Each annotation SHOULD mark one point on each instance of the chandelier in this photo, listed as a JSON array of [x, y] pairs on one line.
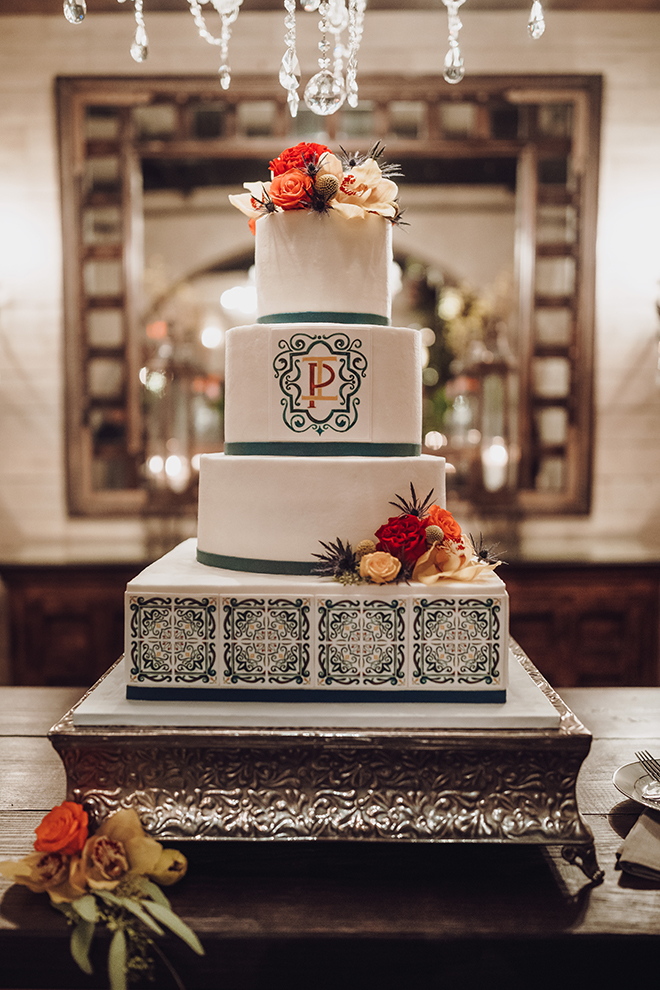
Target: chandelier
[[335, 82]]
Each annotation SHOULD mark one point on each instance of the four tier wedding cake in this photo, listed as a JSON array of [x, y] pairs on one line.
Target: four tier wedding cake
[[326, 567]]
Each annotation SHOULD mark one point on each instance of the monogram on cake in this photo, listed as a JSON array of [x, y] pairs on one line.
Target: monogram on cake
[[326, 566]]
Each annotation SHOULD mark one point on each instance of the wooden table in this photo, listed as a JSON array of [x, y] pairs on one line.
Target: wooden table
[[350, 914]]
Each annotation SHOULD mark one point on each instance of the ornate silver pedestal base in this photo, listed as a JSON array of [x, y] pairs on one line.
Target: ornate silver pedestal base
[[430, 785]]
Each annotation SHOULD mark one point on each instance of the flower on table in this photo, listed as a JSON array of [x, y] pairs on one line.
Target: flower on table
[[109, 877]]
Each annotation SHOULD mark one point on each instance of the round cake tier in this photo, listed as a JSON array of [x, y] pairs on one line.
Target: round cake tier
[[268, 514], [311, 265], [323, 388]]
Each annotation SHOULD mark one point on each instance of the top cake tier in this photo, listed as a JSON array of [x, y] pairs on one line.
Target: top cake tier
[[323, 268]]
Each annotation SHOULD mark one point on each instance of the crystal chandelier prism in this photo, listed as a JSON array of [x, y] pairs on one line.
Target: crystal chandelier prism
[[335, 82]]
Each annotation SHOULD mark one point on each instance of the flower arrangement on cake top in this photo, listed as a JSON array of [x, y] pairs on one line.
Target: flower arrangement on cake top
[[310, 177], [424, 543], [110, 878]]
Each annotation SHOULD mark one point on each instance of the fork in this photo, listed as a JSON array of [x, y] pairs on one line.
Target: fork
[[650, 764]]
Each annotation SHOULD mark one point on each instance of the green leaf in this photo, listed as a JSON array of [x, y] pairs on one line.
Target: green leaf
[[152, 890], [117, 957], [134, 907], [86, 907], [81, 940], [174, 922]]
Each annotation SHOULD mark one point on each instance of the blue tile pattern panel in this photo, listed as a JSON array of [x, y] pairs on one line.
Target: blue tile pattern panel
[[366, 642], [266, 641], [361, 642], [457, 641], [172, 639]]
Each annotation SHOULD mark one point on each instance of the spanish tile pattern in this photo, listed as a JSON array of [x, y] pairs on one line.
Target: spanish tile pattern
[[349, 640], [457, 640], [172, 639], [266, 641], [361, 642]]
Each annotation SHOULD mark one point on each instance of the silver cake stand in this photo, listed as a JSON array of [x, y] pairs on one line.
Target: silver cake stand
[[510, 785]]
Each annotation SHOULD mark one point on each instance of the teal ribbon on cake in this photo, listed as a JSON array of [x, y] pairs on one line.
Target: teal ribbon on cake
[[254, 566], [319, 448], [318, 317]]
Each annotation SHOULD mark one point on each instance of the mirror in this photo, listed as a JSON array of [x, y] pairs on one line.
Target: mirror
[[494, 267]]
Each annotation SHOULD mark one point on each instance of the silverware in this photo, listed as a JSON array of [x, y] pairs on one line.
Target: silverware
[[650, 764], [650, 790]]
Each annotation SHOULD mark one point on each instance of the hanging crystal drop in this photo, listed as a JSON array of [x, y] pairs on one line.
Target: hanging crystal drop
[[225, 76], [311, 5], [140, 46], [290, 70], [454, 70], [75, 10], [536, 25], [324, 93], [293, 100]]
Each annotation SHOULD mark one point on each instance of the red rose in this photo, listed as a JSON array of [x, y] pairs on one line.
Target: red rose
[[298, 157], [446, 522], [404, 537], [291, 190], [64, 829]]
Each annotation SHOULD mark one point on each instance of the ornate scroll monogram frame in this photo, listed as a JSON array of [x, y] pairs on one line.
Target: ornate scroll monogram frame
[[432, 785], [347, 377]]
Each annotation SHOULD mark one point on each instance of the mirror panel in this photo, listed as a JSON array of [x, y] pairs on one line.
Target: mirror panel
[[496, 271]]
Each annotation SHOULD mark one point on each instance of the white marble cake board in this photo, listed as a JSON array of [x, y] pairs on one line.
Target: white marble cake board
[[526, 707]]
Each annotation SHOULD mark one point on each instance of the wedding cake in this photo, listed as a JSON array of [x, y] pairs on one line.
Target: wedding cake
[[326, 567]]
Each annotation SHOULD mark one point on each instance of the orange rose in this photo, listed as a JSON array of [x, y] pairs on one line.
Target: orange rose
[[64, 829], [291, 190], [380, 567], [446, 522]]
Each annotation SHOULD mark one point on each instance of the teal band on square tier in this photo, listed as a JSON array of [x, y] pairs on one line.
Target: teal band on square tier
[[322, 695], [318, 448], [327, 317], [254, 566]]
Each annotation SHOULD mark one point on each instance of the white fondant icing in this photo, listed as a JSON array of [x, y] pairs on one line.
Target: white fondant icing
[[278, 508], [312, 262], [259, 395]]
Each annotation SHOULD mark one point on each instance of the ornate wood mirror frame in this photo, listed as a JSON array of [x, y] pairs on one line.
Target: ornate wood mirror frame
[[546, 127]]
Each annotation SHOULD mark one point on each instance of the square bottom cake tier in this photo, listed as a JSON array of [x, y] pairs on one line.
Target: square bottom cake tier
[[200, 633]]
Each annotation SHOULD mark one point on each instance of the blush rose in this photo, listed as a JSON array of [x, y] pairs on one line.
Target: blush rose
[[379, 567]]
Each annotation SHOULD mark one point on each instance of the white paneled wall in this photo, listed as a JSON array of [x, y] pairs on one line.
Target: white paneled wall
[[34, 50]]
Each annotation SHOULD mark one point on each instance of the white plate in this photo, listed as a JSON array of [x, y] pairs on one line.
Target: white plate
[[630, 780]]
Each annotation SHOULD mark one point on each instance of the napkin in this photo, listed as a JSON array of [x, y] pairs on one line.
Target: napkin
[[640, 852]]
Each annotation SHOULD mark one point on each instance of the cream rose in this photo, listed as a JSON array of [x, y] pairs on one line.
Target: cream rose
[[379, 567], [39, 871]]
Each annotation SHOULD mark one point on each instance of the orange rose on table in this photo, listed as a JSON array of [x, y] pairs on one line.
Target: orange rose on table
[[379, 567], [64, 829], [291, 190]]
